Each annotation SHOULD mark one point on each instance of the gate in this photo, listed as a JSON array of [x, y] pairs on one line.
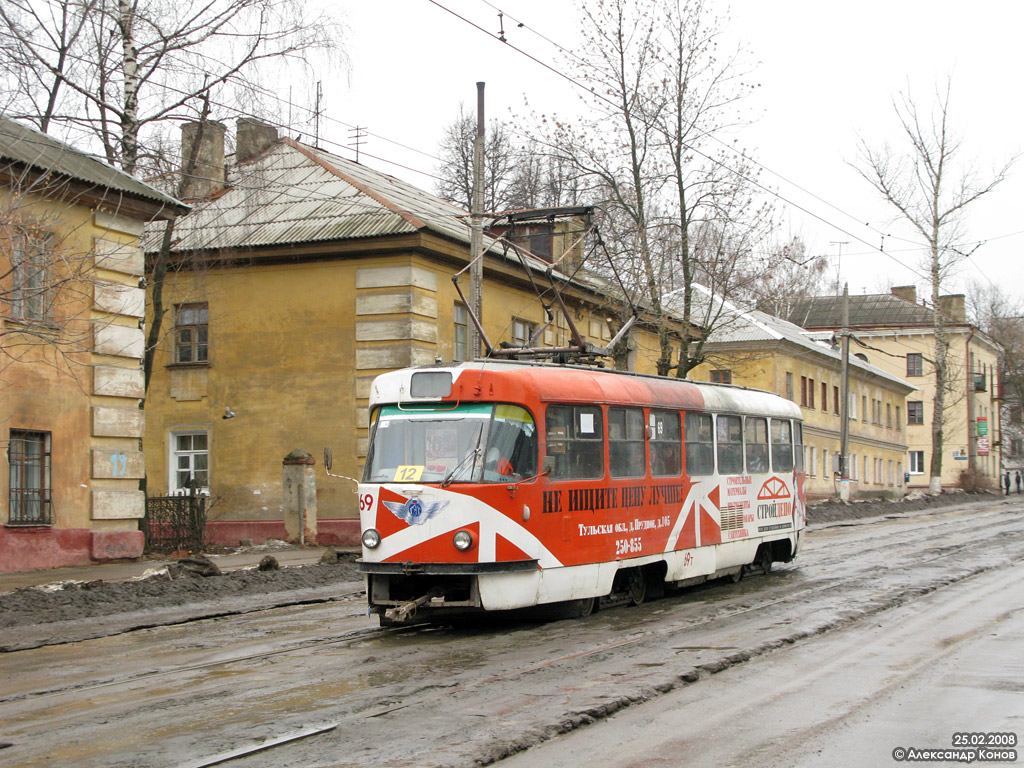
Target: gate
[[175, 523]]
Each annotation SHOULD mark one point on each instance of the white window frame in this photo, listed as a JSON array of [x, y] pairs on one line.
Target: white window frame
[[911, 462], [173, 488]]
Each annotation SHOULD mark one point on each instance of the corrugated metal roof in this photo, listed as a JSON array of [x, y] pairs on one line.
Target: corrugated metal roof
[[738, 325], [27, 146], [879, 309], [294, 194]]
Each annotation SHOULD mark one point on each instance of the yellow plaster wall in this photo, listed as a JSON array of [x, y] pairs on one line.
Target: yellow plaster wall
[[958, 424], [293, 349], [766, 367], [47, 371]]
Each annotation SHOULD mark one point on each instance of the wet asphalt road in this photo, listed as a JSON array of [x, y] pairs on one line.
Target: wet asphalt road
[[871, 637]]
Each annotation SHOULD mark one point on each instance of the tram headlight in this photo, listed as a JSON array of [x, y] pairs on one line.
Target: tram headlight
[[463, 540], [371, 538]]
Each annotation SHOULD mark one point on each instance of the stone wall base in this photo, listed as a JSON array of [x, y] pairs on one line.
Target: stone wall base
[[330, 533], [42, 548]]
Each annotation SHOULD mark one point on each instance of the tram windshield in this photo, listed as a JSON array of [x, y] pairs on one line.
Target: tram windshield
[[477, 443]]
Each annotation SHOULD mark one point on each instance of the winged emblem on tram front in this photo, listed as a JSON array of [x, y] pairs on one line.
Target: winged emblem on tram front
[[415, 512]]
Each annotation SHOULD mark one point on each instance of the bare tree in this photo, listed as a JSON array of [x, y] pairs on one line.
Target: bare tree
[[999, 315], [456, 169], [679, 206], [115, 70], [786, 273], [930, 186], [46, 277]]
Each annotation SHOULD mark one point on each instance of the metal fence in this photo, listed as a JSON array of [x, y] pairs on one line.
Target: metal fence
[[175, 523]]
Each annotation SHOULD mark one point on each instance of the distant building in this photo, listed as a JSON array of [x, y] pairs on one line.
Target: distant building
[[298, 277], [71, 342], [751, 348], [896, 334]]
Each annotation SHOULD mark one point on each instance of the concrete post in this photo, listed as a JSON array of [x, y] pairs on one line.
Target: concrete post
[[299, 502]]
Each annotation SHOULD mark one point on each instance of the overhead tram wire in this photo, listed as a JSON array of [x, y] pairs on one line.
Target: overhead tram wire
[[711, 136], [693, 149], [236, 112]]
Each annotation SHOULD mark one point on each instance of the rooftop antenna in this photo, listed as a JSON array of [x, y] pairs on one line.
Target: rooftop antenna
[[356, 136], [316, 116]]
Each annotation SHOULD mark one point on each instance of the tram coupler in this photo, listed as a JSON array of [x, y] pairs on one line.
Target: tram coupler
[[407, 611]]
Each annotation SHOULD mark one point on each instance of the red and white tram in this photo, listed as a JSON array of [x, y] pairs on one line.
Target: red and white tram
[[501, 485]]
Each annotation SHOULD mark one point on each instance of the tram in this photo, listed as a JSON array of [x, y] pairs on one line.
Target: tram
[[499, 485]]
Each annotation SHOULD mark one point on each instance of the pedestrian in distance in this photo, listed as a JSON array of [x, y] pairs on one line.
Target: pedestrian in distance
[[1006, 483], [1017, 480]]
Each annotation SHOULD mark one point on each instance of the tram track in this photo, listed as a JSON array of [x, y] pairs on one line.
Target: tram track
[[648, 683], [653, 649], [816, 587]]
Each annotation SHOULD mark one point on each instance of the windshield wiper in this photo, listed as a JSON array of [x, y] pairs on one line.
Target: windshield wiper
[[473, 453]]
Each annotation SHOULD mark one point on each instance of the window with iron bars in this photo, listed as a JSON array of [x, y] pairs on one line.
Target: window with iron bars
[[30, 493]]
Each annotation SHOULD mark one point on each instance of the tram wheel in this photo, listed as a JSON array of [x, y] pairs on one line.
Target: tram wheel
[[764, 561], [636, 586], [576, 609], [736, 577]]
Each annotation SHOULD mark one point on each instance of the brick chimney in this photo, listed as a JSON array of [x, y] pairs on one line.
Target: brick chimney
[[252, 137], [206, 141], [953, 307], [905, 292]]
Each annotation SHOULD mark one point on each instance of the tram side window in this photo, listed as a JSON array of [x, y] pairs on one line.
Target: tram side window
[[700, 446], [626, 442], [666, 445], [575, 438], [782, 445], [798, 446], [729, 433], [755, 433]]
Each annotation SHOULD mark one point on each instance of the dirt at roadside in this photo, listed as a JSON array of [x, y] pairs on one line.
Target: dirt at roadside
[[166, 596], [837, 511], [164, 589]]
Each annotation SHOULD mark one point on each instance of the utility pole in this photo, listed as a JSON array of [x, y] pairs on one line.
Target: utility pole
[[844, 408], [476, 240], [839, 258]]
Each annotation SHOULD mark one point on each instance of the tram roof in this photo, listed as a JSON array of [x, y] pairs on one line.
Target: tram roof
[[549, 382]]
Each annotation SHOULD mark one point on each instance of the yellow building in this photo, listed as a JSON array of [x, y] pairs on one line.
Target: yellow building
[[299, 278], [895, 333], [754, 349], [71, 342]]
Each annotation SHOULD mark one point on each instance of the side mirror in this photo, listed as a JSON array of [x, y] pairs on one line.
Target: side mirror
[[328, 458], [547, 465]]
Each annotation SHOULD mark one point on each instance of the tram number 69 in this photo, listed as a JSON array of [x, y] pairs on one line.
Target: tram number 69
[[628, 546], [365, 502]]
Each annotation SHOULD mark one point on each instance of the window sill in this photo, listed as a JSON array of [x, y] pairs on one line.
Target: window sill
[[45, 327], [199, 364], [23, 526]]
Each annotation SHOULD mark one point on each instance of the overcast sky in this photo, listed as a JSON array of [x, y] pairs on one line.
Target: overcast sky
[[828, 72]]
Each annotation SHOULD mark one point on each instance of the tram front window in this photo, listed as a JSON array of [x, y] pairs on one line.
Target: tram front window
[[480, 443]]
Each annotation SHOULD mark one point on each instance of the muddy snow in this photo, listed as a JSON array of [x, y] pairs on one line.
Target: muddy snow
[[72, 611]]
